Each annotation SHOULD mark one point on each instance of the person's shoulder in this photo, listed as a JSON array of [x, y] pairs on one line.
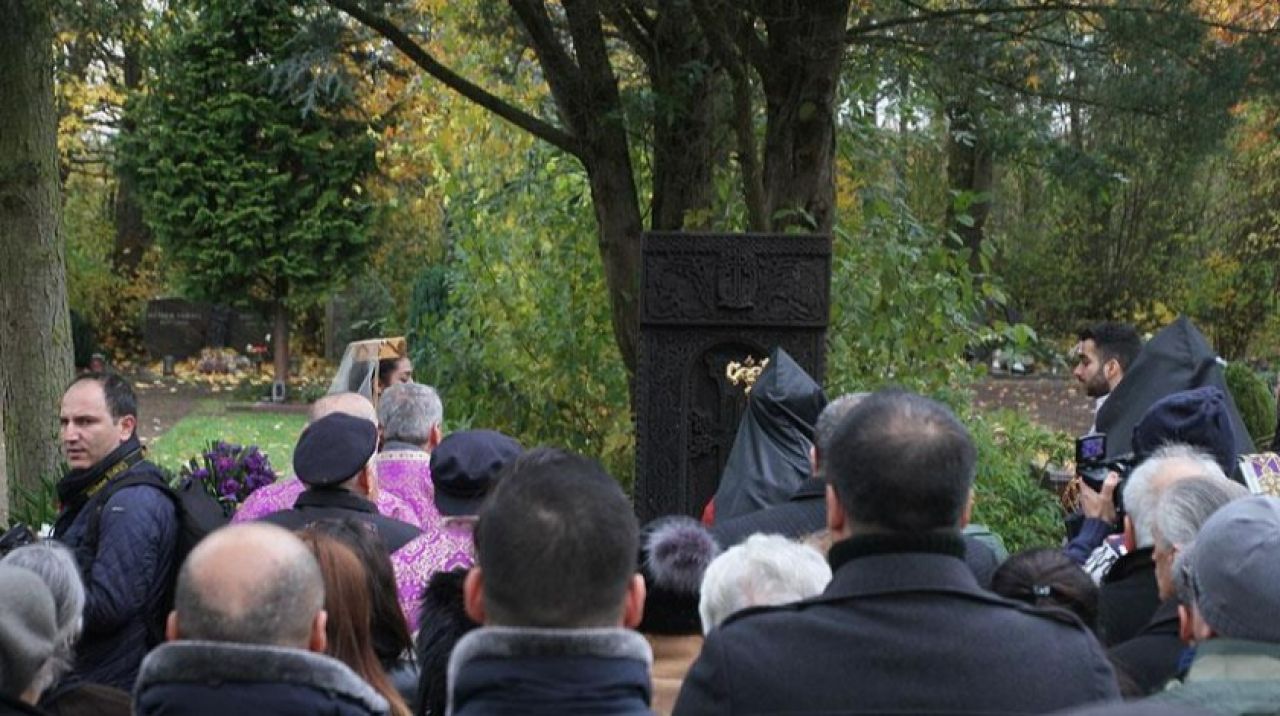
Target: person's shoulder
[[143, 486]]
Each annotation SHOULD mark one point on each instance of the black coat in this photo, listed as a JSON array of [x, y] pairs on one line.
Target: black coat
[[317, 504], [87, 700], [806, 513], [501, 671], [1151, 658], [202, 678], [14, 707], [1127, 597], [902, 628]]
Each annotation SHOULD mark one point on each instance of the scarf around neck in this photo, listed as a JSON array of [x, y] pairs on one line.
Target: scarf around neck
[[78, 486]]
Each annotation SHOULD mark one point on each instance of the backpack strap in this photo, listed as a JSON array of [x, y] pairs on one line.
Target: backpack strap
[[154, 623], [147, 478]]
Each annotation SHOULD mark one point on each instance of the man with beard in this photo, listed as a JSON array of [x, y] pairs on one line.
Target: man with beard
[[124, 537], [1103, 355]]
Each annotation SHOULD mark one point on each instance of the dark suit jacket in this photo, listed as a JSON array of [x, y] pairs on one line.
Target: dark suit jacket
[[1152, 657], [806, 513], [335, 503], [902, 628], [1127, 597]]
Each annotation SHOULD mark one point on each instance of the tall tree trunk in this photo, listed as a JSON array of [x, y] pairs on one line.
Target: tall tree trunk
[[132, 237], [800, 70], [280, 341], [35, 330], [970, 172], [4, 477], [684, 122]]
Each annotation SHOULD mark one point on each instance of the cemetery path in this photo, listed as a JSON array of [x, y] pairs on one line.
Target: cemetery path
[[1054, 402], [161, 405]]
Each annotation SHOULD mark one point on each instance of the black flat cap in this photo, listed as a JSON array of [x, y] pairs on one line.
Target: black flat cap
[[465, 467], [333, 449]]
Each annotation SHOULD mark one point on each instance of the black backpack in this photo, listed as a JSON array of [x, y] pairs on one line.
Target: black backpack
[[198, 514]]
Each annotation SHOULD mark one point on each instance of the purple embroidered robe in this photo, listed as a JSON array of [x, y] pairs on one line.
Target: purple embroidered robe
[[443, 546], [407, 475], [281, 494]]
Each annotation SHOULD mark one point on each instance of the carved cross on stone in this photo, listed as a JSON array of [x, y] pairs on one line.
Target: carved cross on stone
[[707, 300]]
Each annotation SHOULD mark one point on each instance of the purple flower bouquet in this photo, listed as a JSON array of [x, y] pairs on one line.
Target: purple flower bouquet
[[230, 472]]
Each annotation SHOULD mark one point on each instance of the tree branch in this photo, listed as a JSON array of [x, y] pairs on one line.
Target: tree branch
[[632, 31], [735, 64], [420, 57], [927, 15]]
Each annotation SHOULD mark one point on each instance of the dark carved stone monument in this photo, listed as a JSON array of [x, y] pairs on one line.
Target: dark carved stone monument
[[707, 300]]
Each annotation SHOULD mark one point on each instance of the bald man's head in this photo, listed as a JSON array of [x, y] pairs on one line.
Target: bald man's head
[[251, 583], [349, 403]]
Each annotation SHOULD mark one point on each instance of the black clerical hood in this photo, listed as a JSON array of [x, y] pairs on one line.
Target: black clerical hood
[[770, 455], [1175, 359]]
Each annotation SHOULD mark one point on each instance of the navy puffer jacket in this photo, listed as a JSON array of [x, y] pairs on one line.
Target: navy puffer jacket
[[126, 577]]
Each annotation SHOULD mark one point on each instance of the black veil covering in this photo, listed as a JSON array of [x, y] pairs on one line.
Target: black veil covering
[[1175, 359], [770, 455]]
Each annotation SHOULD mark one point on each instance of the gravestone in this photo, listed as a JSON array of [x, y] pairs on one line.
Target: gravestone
[[175, 327], [707, 300], [247, 328]]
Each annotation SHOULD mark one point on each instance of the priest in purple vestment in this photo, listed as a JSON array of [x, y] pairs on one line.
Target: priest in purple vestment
[[464, 468]]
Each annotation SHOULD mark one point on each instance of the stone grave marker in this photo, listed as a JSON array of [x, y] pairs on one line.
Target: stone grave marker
[[175, 327], [707, 300]]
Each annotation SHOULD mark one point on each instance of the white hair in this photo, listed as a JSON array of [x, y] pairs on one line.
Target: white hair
[[408, 411], [54, 564], [1141, 493], [764, 570], [1186, 505]]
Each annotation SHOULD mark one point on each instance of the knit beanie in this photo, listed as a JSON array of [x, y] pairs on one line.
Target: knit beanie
[[28, 628], [674, 554], [1199, 418]]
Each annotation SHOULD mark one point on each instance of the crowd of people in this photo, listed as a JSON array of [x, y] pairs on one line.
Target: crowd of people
[[403, 571]]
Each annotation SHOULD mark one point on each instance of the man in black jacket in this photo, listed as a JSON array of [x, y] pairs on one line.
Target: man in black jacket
[[805, 512], [557, 591], [332, 458], [247, 635], [903, 627]]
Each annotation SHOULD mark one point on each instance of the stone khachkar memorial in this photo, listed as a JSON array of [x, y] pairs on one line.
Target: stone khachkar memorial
[[707, 300]]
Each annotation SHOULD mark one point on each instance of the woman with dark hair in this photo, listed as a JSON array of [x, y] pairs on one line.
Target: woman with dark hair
[[1048, 578], [444, 623], [394, 370], [391, 639], [348, 602]]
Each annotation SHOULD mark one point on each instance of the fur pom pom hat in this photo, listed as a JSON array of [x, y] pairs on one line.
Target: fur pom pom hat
[[674, 554]]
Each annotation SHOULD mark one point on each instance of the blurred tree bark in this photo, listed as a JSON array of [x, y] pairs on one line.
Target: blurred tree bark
[[35, 330]]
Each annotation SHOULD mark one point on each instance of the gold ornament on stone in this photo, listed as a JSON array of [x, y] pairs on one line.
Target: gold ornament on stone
[[745, 373]]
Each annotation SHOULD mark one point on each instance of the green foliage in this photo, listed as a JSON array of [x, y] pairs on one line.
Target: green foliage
[[515, 329], [110, 305], [1008, 497], [905, 305], [1255, 401], [34, 505], [255, 200]]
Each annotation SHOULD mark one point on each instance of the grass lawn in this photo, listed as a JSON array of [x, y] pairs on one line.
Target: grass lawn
[[273, 433]]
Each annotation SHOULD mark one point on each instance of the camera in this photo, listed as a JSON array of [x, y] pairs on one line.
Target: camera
[[17, 536], [1092, 464]]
